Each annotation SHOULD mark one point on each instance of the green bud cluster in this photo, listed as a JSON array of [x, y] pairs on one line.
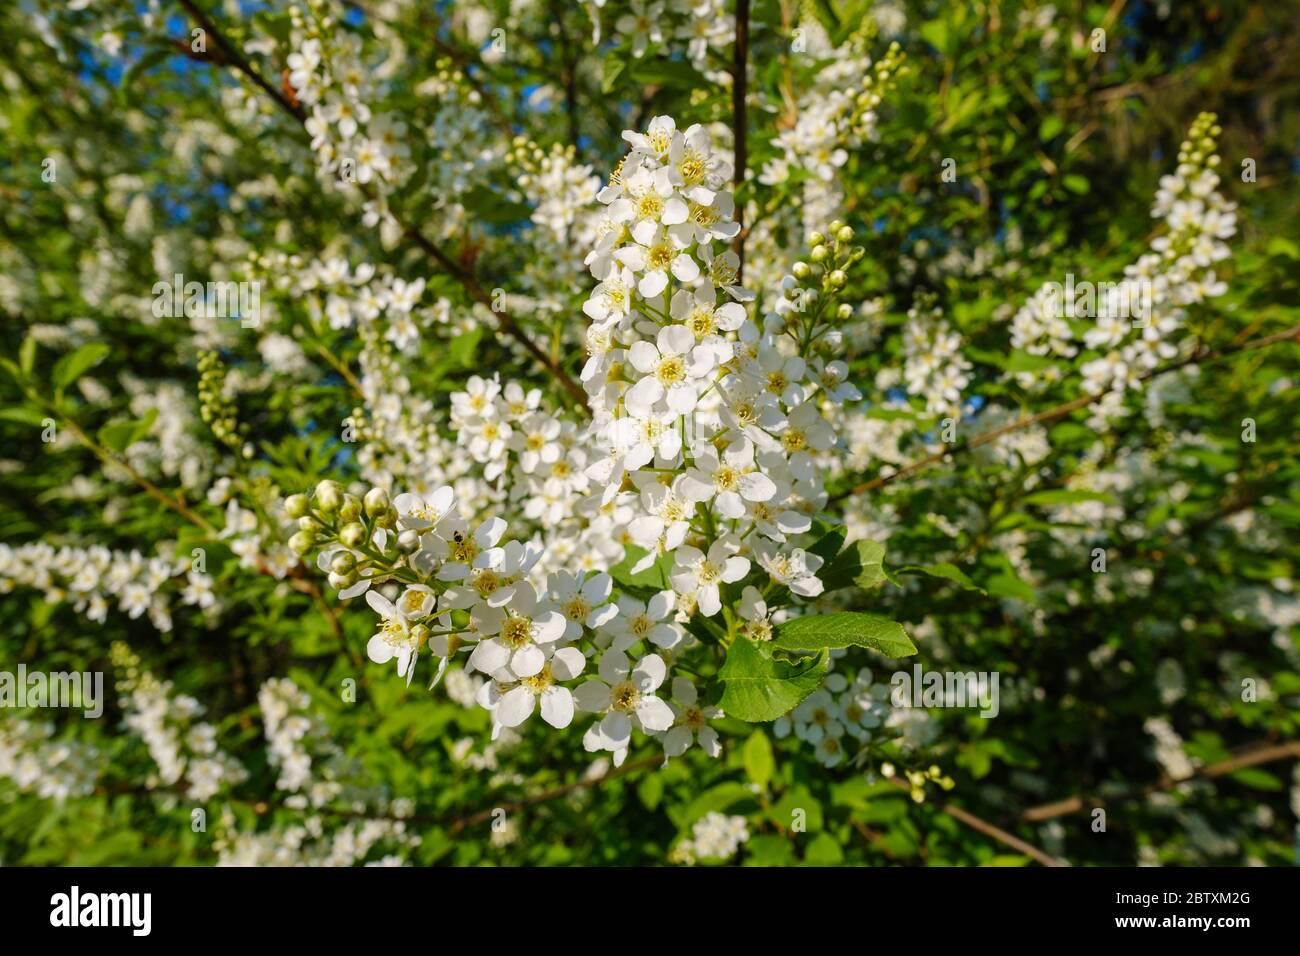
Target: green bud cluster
[[876, 85], [1202, 140], [217, 411]]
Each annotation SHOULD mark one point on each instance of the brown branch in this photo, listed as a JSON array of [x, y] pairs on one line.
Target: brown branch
[[989, 830], [1002, 836], [1250, 757], [505, 322], [1060, 411], [239, 62], [552, 793]]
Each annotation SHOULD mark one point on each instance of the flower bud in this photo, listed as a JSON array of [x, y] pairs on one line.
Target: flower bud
[[800, 270], [819, 253], [302, 541], [844, 234], [835, 226], [296, 506], [340, 581], [343, 562], [837, 279], [376, 502], [844, 312], [408, 541], [353, 535], [816, 239], [350, 510], [329, 496], [308, 523]]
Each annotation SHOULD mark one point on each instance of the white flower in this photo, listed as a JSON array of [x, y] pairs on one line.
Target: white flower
[[625, 695], [670, 369], [512, 634], [648, 620], [581, 598], [512, 700], [393, 639], [729, 480], [690, 723], [699, 575]]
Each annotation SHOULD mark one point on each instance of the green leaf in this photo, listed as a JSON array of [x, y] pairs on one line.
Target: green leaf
[[1050, 128], [119, 436], [24, 414], [1281, 246], [651, 790], [758, 688], [464, 347], [843, 629], [862, 563], [612, 69], [935, 33], [27, 355], [1257, 779], [1022, 361], [945, 570], [1076, 183], [824, 851], [768, 849], [75, 364], [759, 762], [1064, 496], [1007, 585], [653, 578]]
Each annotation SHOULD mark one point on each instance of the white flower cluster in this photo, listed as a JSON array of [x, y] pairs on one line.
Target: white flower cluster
[[280, 699], [837, 113], [1138, 320], [312, 843], [96, 578], [332, 82], [36, 762], [707, 449], [705, 25], [714, 836], [254, 535], [857, 708], [934, 368], [184, 747]]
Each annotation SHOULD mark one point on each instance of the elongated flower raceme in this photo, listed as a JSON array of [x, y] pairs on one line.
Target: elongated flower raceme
[[705, 451]]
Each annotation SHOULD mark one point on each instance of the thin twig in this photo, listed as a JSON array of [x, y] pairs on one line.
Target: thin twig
[[1060, 411], [505, 322], [1250, 757], [989, 830]]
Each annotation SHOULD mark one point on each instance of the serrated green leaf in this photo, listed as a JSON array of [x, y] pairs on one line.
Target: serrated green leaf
[[844, 629], [861, 564], [758, 688]]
